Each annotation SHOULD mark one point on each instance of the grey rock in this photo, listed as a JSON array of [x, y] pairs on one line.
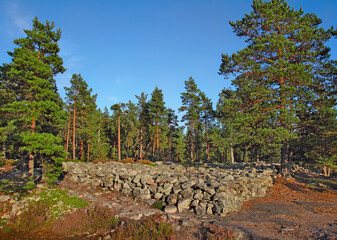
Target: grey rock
[[188, 184], [158, 195], [210, 190], [184, 204], [194, 203], [170, 209], [172, 199], [198, 195], [199, 210]]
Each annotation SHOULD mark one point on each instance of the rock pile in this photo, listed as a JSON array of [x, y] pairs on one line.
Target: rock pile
[[203, 190]]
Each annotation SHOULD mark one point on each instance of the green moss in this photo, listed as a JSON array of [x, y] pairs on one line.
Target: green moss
[[159, 205]]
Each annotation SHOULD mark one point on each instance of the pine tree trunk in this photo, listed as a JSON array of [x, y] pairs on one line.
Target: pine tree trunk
[[81, 150], [127, 150], [88, 153], [114, 153], [119, 138], [68, 134], [141, 144], [206, 142], [157, 140], [192, 157], [325, 172], [232, 154], [284, 165], [170, 149], [74, 130], [3, 150], [154, 145], [31, 156], [245, 159]]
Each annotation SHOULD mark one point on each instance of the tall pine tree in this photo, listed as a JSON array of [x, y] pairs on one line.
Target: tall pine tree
[[286, 53], [37, 110]]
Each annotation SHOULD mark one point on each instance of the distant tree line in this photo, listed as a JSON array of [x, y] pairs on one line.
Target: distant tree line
[[282, 107]]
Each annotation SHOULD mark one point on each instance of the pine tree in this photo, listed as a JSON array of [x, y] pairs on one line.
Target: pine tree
[[286, 51], [207, 119], [191, 105], [143, 116], [82, 104], [119, 112], [172, 134], [157, 111], [37, 108]]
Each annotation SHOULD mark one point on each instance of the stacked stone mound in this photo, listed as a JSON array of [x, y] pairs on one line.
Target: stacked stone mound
[[204, 190]]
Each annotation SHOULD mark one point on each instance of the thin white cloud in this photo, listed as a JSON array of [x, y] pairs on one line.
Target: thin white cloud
[[114, 99], [18, 18]]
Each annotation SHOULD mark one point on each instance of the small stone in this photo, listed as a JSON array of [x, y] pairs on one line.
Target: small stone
[[184, 204], [151, 201], [188, 184], [4, 198], [194, 203], [170, 209], [172, 199], [158, 195], [107, 237], [198, 195]]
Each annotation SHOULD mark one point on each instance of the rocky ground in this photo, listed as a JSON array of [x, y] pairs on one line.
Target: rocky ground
[[291, 209]]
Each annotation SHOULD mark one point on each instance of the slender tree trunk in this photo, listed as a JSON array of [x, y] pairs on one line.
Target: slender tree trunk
[[74, 130], [325, 172], [245, 155], [68, 133], [206, 142], [141, 144], [157, 140], [170, 148], [192, 147], [127, 150], [329, 172], [81, 149], [3, 150], [119, 138], [88, 153], [114, 153], [232, 153], [31, 156], [284, 167], [154, 145]]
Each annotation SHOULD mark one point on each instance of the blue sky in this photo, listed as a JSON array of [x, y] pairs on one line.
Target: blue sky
[[122, 48]]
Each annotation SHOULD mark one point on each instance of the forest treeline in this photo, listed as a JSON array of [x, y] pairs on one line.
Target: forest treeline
[[281, 107]]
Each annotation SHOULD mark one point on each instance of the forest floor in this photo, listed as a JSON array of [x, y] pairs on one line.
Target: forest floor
[[303, 207]]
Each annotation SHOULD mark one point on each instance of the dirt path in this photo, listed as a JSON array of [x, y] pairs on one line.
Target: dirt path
[[290, 210]]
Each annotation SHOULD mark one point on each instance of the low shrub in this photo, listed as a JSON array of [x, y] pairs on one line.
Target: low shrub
[[150, 228], [7, 162], [85, 220], [144, 161], [217, 232], [29, 186], [34, 217], [128, 160]]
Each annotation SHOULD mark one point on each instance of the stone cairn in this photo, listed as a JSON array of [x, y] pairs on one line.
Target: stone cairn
[[203, 190]]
